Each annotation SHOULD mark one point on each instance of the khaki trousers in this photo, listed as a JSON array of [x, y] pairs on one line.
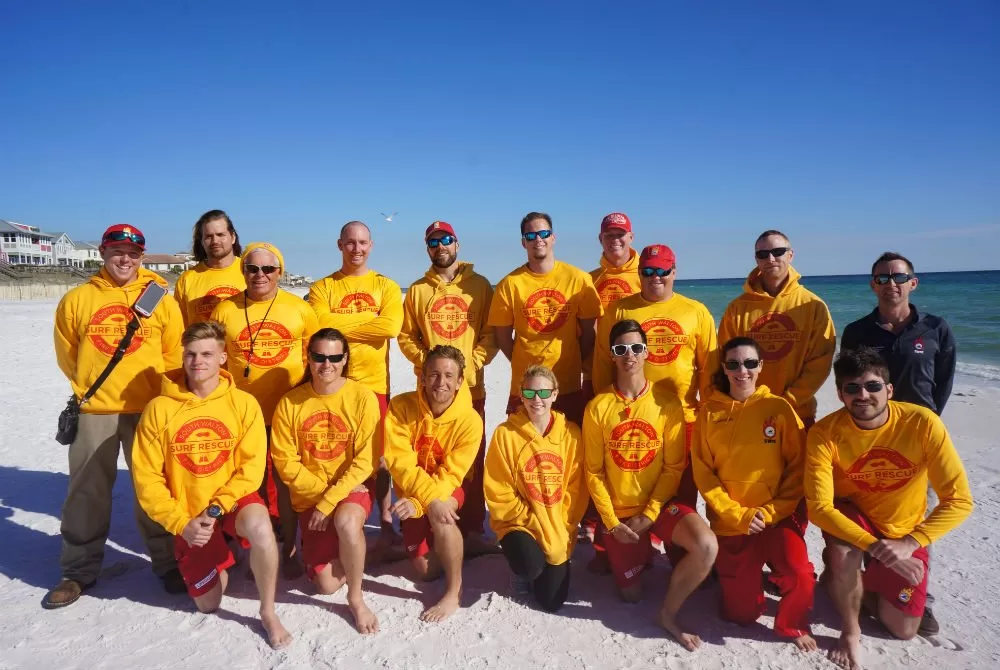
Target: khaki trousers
[[86, 514]]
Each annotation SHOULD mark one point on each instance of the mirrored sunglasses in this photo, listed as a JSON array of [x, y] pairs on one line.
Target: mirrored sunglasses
[[446, 240], [529, 394], [530, 237], [659, 272], [122, 236]]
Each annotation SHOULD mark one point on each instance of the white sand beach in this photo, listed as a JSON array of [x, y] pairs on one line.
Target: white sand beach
[[127, 621]]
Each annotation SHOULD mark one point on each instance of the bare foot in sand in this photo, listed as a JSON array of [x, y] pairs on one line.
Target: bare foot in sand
[[806, 643], [277, 636], [364, 619], [847, 653], [476, 545], [689, 641], [445, 608]]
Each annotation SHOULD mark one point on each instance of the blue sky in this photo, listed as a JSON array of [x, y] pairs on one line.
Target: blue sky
[[854, 128]]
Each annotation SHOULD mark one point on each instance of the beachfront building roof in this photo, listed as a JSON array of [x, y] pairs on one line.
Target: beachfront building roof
[[165, 262], [26, 245]]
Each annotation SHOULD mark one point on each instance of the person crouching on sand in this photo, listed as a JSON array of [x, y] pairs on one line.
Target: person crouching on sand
[[633, 434], [200, 453], [322, 445], [536, 491], [747, 455], [432, 436]]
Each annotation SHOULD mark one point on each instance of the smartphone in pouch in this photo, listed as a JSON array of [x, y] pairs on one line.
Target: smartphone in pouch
[[150, 298]]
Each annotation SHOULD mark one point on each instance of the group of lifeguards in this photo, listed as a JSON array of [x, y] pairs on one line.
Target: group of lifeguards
[[261, 411]]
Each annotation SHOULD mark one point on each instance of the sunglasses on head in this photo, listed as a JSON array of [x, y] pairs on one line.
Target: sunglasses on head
[[317, 357], [446, 240], [529, 394], [852, 388], [122, 236], [748, 363], [896, 277], [620, 350], [530, 237], [252, 269], [777, 252], [659, 272]]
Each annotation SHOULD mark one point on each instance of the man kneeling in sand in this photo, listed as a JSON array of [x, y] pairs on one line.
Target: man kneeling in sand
[[878, 455], [199, 458], [432, 437]]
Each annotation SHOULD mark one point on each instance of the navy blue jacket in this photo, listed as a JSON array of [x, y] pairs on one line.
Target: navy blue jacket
[[921, 358]]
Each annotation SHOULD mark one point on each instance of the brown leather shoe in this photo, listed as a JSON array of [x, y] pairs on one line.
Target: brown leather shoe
[[66, 593]]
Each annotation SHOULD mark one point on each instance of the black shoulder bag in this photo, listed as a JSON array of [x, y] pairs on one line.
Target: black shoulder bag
[[69, 418]]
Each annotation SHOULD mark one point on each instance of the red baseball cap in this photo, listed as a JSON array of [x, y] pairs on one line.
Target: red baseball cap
[[657, 256], [616, 220], [439, 226], [123, 233]]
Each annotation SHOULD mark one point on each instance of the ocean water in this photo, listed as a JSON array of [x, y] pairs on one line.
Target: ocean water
[[969, 301]]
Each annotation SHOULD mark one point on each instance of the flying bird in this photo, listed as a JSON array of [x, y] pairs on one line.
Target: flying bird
[[388, 217]]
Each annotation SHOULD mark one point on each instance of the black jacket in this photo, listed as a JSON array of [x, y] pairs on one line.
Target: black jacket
[[921, 359]]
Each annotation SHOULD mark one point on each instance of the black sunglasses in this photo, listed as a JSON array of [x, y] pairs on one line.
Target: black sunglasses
[[530, 237], [897, 277], [620, 350], [446, 240], [659, 272], [853, 388], [317, 357], [529, 394], [748, 363], [122, 236], [777, 252], [252, 269]]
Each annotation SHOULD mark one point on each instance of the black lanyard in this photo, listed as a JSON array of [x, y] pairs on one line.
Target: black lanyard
[[253, 336]]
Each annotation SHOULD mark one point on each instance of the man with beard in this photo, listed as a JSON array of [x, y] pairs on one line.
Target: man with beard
[[449, 305], [215, 246], [867, 469]]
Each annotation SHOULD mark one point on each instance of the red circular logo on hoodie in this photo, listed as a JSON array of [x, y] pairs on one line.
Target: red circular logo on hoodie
[[449, 316], [542, 475], [429, 453], [207, 302], [325, 436], [633, 445], [108, 326], [776, 333], [202, 446], [880, 470], [272, 343], [546, 310], [613, 288], [356, 303], [664, 340]]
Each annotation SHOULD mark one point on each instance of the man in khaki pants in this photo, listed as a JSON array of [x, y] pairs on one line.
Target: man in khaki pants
[[90, 322]]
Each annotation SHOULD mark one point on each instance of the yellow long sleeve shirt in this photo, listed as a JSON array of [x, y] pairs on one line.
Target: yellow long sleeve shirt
[[680, 336], [885, 472], [91, 320], [611, 284], [201, 288], [536, 484], [190, 452], [275, 350], [323, 445], [429, 457], [544, 310], [748, 457], [635, 452], [796, 335], [368, 310], [439, 312]]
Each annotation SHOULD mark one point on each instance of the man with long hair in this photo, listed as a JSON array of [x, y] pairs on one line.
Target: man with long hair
[[216, 246]]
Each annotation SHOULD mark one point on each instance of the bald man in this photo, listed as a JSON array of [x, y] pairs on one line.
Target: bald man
[[367, 308]]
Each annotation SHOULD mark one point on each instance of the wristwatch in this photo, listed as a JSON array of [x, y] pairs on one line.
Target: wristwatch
[[214, 511]]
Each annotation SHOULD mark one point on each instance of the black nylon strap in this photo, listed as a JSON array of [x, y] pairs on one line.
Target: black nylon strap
[[126, 340]]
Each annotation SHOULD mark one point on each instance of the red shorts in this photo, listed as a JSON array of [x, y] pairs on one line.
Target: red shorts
[[320, 547], [629, 560], [200, 566], [417, 535], [907, 598]]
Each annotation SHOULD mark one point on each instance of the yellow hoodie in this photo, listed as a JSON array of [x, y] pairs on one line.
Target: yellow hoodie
[[368, 310], [680, 335], [280, 344], [190, 452], [429, 457], [611, 284], [885, 472], [201, 288], [536, 483], [91, 321], [748, 456], [438, 312], [635, 452], [323, 445], [795, 332]]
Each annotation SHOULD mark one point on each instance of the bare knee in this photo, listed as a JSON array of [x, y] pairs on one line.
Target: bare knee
[[348, 523], [210, 601], [901, 626], [844, 561], [326, 584]]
